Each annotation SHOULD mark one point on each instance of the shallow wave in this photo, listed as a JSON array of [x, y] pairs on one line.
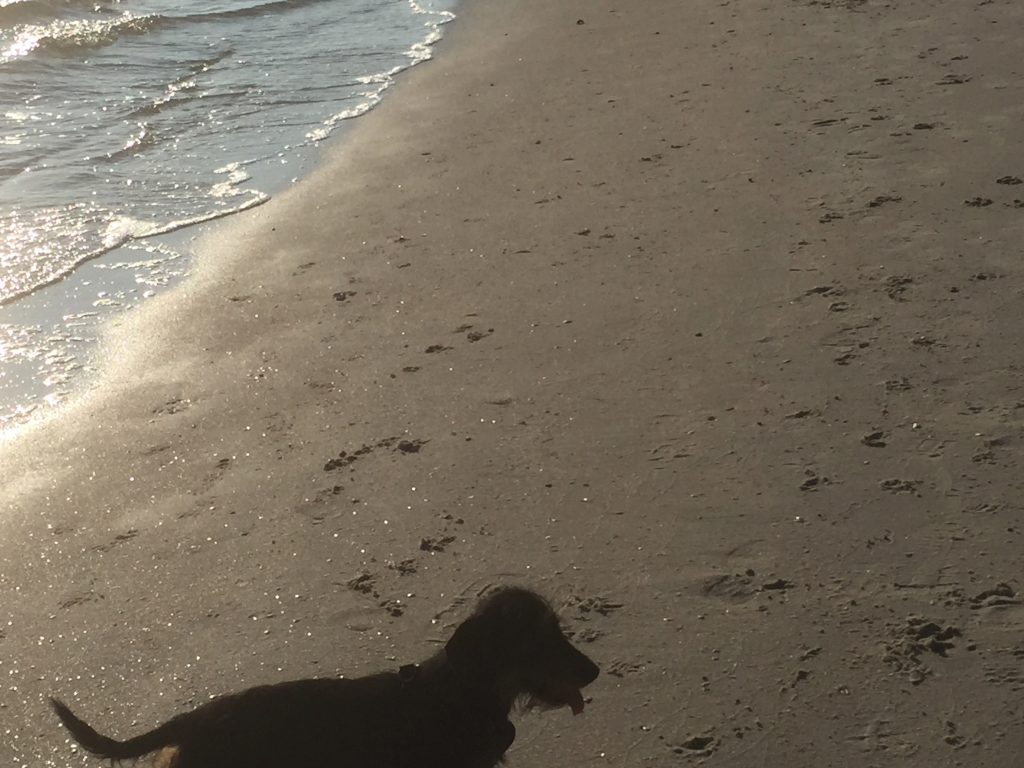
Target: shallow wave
[[66, 36], [34, 11], [260, 9], [183, 89], [115, 231], [29, 238], [143, 139]]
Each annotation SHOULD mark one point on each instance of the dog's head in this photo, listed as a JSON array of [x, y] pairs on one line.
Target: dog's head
[[515, 638]]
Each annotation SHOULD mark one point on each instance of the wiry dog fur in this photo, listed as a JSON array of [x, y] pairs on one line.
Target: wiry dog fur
[[451, 711]]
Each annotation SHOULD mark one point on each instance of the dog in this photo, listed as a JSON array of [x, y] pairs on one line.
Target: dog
[[450, 711]]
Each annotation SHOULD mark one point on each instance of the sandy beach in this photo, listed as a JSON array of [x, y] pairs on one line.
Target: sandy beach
[[704, 319]]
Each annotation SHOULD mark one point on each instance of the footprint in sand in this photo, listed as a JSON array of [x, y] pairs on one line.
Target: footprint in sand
[[1006, 674], [914, 641], [595, 605], [313, 508], [881, 200], [128, 535], [898, 384], [813, 481], [895, 286], [345, 458], [435, 543], [472, 335], [587, 635], [896, 485], [696, 745], [1001, 594], [734, 586], [623, 668], [405, 567], [951, 736], [364, 583], [174, 405], [875, 439], [79, 599]]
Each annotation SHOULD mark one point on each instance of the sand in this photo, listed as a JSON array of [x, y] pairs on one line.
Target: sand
[[703, 318]]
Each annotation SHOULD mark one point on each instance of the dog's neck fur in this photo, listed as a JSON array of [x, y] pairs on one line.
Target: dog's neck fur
[[479, 688], [500, 691]]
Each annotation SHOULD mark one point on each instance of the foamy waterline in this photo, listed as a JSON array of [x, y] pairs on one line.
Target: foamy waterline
[[417, 54]]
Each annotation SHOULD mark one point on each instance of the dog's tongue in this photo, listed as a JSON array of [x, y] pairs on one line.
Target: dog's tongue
[[575, 700]]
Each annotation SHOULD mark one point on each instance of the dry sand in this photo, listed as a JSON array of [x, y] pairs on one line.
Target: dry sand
[[703, 317]]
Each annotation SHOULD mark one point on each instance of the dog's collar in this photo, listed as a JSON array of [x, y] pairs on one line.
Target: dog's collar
[[408, 673]]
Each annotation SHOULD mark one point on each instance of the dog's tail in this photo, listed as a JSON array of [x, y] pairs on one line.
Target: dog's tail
[[106, 747]]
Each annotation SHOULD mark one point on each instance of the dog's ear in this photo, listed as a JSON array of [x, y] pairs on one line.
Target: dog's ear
[[470, 643]]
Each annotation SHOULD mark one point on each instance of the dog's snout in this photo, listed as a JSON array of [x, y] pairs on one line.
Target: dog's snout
[[588, 670], [581, 668]]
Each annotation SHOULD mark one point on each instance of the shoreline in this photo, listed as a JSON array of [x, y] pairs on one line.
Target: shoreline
[[657, 317], [61, 322]]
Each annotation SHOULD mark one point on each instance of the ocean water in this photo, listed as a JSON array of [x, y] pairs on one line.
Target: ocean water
[[124, 120]]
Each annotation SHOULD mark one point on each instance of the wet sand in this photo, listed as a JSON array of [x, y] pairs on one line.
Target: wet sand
[[704, 320]]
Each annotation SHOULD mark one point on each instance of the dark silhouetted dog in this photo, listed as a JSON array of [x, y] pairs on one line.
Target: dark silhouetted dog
[[451, 711]]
